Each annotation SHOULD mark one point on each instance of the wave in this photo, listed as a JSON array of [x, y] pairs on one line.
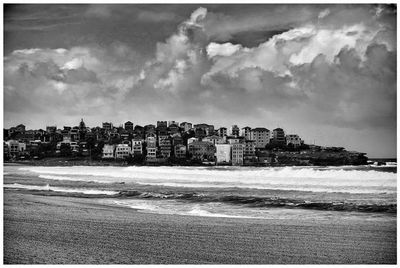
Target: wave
[[211, 198], [171, 207], [66, 178], [61, 189], [224, 210], [260, 202], [286, 178]]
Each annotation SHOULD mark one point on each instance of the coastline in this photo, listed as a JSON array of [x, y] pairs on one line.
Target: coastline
[[59, 161], [68, 230]]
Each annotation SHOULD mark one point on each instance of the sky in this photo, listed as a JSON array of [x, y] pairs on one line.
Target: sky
[[324, 72]]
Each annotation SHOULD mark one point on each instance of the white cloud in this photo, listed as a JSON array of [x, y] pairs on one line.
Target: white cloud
[[73, 64], [226, 49], [324, 13]]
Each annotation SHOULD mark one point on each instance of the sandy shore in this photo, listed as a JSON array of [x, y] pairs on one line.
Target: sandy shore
[[66, 230]]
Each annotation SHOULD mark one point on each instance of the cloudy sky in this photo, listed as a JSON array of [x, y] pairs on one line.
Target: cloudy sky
[[325, 72]]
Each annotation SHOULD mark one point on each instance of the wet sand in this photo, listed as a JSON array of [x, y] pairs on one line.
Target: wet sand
[[68, 230]]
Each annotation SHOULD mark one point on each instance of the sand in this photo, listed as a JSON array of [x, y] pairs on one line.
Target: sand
[[68, 230]]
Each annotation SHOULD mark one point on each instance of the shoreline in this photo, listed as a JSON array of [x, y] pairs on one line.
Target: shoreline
[[80, 162], [68, 230]]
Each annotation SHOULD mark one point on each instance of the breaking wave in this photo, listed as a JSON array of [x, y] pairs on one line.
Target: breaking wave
[[60, 189], [286, 178]]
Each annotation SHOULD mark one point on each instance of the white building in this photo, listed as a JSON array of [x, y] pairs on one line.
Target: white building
[[151, 152], [16, 147], [122, 151], [223, 153], [108, 151]]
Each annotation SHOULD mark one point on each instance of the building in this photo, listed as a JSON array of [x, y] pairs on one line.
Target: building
[[74, 134], [164, 143], [249, 148], [177, 139], [186, 126], [124, 134], [6, 150], [202, 150], [207, 129], [162, 124], [234, 139], [137, 146], [223, 153], [107, 126], [128, 126], [151, 142], [173, 129], [249, 152], [214, 139], [172, 122], [68, 142], [278, 137], [138, 130], [15, 147], [222, 132], [122, 151], [246, 133], [234, 131], [190, 140], [51, 129], [261, 136], [149, 129], [180, 151], [108, 151], [294, 140], [237, 154], [200, 133]]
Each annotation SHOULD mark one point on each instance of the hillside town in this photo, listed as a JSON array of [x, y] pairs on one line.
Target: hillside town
[[170, 142]]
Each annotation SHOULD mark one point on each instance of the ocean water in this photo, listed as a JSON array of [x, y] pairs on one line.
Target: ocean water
[[236, 192]]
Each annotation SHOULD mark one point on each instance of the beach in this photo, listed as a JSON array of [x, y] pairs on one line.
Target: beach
[[68, 230]]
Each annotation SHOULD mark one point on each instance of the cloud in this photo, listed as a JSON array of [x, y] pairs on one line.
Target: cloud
[[226, 49], [81, 81]]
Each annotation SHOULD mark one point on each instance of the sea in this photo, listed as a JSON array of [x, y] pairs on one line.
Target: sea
[[314, 193]]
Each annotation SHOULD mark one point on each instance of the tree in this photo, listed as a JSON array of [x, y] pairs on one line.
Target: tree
[[65, 149]]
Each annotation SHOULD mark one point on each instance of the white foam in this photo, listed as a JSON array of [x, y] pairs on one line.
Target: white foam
[[60, 189], [177, 208], [66, 178], [286, 178], [197, 211]]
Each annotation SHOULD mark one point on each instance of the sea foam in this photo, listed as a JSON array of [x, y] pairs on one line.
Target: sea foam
[[283, 178], [60, 189]]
